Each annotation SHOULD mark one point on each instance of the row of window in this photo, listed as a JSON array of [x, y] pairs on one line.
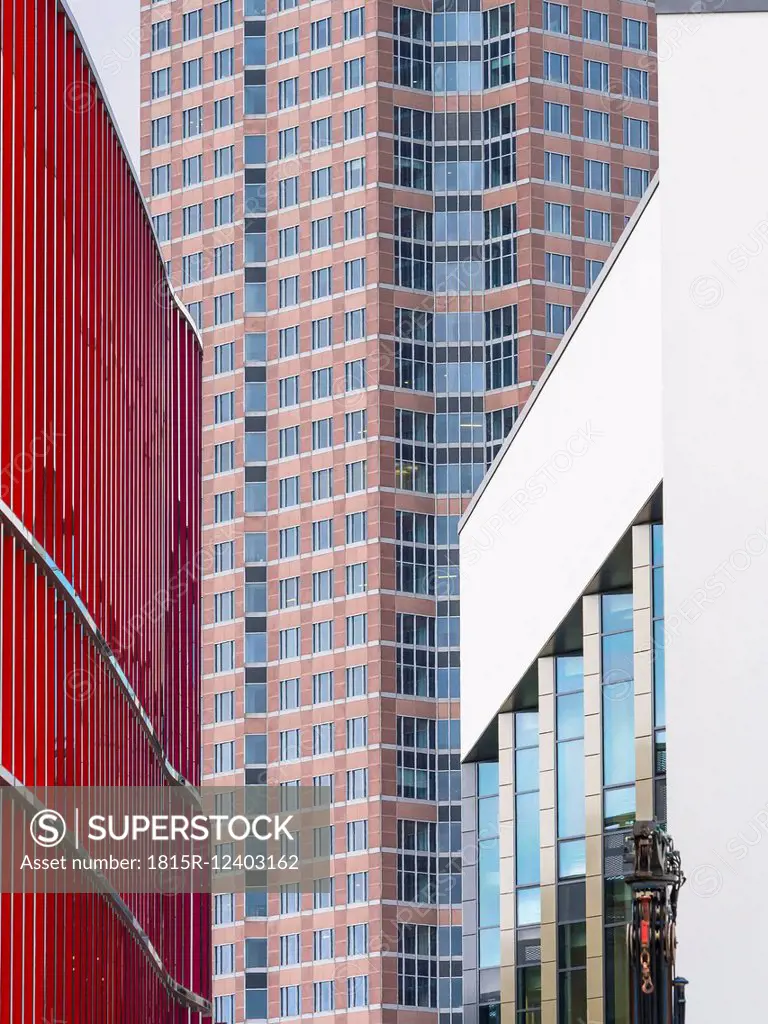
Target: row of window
[[321, 182], [597, 223], [323, 739], [594, 26], [634, 81], [324, 947], [324, 687], [192, 25], [320, 34], [193, 121], [192, 70], [323, 336], [192, 172], [557, 270], [322, 383], [355, 429], [355, 635], [321, 82], [322, 283], [597, 175], [597, 128], [321, 233], [322, 535]]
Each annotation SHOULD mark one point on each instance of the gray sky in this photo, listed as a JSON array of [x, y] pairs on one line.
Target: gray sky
[[111, 31]]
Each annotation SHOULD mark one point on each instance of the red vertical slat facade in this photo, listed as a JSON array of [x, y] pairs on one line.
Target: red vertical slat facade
[[100, 435]]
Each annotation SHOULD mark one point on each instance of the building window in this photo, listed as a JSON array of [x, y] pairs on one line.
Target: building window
[[322, 735], [635, 182], [595, 26], [557, 168], [596, 126], [322, 233], [323, 997], [224, 757], [636, 133], [287, 93], [222, 16], [558, 318], [224, 112], [592, 269], [289, 694], [354, 23], [161, 35], [557, 118], [320, 34], [557, 268], [357, 784], [417, 965], [321, 183], [634, 34], [289, 542], [288, 192], [289, 492], [288, 44], [224, 64], [357, 886], [634, 83], [290, 1001], [354, 173], [354, 274], [354, 73], [161, 131], [357, 991], [412, 49], [357, 680], [322, 535], [357, 630], [555, 18], [556, 67], [557, 219], [597, 175], [596, 75], [161, 83], [192, 122], [357, 840], [288, 291], [320, 83], [354, 123], [322, 689], [288, 142], [597, 226], [192, 73], [356, 527]]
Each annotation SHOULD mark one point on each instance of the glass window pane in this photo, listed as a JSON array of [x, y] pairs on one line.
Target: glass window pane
[[570, 716], [527, 838], [570, 789], [618, 734], [573, 858], [616, 612], [528, 907]]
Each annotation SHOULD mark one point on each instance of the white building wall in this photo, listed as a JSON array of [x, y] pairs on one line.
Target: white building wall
[[584, 459], [714, 209]]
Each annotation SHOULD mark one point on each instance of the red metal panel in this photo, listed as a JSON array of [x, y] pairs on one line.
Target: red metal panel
[[100, 433]]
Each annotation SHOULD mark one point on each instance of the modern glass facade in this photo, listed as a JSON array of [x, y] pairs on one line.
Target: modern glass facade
[[101, 377], [575, 767], [399, 210]]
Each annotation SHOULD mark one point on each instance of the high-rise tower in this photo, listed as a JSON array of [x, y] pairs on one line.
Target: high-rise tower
[[383, 217]]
